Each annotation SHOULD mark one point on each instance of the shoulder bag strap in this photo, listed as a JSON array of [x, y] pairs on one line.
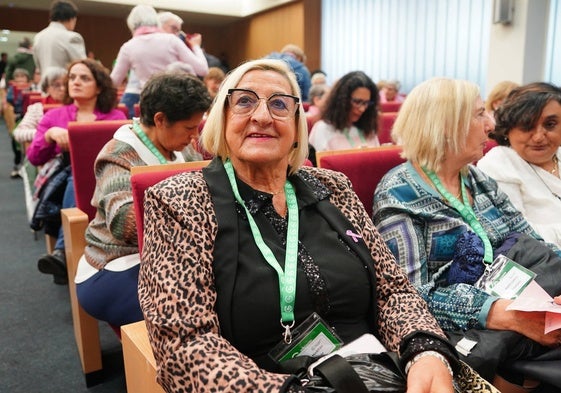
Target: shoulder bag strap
[[340, 375]]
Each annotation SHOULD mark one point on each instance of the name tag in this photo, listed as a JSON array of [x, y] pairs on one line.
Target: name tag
[[505, 278], [313, 337]]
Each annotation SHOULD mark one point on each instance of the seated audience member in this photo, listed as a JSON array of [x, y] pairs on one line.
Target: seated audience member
[[213, 80], [318, 96], [526, 162], [19, 83], [295, 57], [172, 106], [53, 88], [89, 96], [206, 253], [13, 112], [35, 84], [318, 77], [437, 208], [390, 91], [497, 95], [350, 116]]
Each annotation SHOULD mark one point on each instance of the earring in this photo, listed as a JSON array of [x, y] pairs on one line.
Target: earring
[[295, 145]]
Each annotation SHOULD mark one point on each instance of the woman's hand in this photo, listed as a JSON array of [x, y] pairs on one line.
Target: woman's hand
[[59, 136], [529, 324], [195, 39], [429, 375]]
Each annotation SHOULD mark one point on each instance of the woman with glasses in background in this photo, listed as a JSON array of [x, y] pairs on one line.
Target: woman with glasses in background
[[239, 254], [350, 116]]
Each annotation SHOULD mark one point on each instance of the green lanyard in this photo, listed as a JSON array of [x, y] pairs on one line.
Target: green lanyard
[[346, 132], [287, 278], [148, 143], [466, 211]]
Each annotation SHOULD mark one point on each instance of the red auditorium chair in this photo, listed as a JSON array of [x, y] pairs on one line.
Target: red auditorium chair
[[385, 124], [390, 106], [364, 167], [86, 140]]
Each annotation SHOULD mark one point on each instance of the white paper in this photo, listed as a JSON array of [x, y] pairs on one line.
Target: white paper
[[535, 298]]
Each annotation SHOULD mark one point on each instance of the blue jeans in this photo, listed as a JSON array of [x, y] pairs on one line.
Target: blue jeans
[[68, 200], [129, 99], [112, 296]]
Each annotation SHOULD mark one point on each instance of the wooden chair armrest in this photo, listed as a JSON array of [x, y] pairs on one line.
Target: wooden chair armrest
[[86, 327], [140, 365]]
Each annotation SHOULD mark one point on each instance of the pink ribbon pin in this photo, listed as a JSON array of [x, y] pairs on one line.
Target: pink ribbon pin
[[355, 236]]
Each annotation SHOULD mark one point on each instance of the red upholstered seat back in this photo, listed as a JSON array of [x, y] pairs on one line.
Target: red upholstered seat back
[[28, 96], [365, 169], [86, 139], [144, 177], [123, 108], [48, 107], [390, 106], [385, 124], [35, 98]]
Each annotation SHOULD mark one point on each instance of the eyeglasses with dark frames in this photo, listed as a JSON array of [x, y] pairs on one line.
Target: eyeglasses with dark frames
[[245, 102], [357, 102]]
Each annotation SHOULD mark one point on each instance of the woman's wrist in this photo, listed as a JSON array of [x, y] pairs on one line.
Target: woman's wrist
[[422, 342], [435, 354]]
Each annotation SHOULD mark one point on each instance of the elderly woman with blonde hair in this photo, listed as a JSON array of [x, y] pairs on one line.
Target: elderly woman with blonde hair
[[445, 221]]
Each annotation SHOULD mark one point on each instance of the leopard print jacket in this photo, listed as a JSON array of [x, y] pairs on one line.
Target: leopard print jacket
[[177, 293]]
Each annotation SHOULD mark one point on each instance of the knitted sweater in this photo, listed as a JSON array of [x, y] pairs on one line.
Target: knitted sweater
[[112, 233]]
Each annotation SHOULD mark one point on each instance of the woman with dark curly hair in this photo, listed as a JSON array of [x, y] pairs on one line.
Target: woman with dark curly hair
[[350, 116], [526, 162], [90, 96]]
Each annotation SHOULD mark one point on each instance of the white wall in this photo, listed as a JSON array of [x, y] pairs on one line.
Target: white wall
[[9, 40], [517, 51], [553, 56], [408, 40], [413, 40]]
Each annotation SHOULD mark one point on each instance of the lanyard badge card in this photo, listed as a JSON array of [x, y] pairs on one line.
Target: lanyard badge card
[[505, 278], [313, 338]]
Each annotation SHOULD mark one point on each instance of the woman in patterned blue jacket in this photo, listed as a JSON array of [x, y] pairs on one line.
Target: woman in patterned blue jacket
[[437, 208]]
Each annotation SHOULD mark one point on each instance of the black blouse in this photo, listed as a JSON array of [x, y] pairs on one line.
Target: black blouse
[[331, 279]]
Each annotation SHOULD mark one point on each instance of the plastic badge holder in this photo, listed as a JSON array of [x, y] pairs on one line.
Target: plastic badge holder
[[313, 338]]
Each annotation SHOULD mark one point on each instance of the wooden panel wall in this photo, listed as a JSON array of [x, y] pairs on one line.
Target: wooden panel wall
[[249, 38], [297, 23], [102, 35]]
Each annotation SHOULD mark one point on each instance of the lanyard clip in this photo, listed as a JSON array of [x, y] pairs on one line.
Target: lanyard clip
[[287, 335]]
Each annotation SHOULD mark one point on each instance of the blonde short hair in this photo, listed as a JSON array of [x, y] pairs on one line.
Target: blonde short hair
[[499, 92], [435, 117], [296, 51], [213, 138]]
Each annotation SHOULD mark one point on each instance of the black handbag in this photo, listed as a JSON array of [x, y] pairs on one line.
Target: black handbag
[[361, 373], [372, 373], [50, 194]]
